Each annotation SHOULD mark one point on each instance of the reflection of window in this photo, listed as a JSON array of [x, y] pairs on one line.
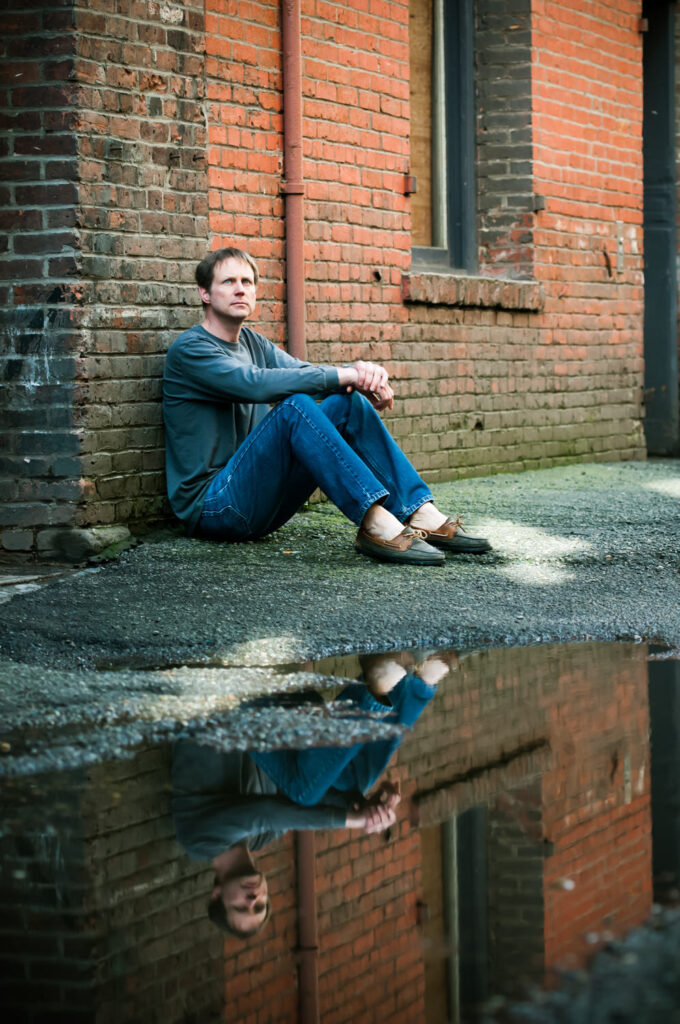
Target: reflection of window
[[442, 132]]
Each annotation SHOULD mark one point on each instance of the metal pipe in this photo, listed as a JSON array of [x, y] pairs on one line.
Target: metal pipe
[[293, 187], [308, 943], [440, 215]]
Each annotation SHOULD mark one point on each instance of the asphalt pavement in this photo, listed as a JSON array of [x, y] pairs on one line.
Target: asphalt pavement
[[581, 551]]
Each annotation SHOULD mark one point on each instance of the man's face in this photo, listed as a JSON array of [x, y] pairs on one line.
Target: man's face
[[245, 899], [232, 292]]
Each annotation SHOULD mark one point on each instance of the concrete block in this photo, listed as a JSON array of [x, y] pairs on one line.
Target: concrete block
[[17, 540], [77, 545]]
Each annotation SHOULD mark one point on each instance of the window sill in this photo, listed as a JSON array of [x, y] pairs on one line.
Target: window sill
[[437, 289]]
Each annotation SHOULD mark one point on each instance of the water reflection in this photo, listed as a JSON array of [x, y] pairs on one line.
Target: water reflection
[[227, 804], [520, 842]]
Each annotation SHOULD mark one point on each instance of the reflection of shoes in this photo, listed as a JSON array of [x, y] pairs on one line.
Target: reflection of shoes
[[407, 548], [452, 537]]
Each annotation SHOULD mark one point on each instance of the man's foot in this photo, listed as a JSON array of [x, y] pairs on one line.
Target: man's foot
[[451, 536], [407, 548]]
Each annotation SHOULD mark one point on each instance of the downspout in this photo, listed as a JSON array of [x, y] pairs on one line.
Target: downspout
[[308, 943], [293, 186]]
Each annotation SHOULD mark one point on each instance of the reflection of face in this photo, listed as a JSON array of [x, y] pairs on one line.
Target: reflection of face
[[232, 292], [246, 900]]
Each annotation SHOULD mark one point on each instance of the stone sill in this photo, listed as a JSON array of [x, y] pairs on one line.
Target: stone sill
[[436, 289]]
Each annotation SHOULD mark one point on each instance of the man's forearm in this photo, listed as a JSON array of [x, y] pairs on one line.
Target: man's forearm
[[347, 376]]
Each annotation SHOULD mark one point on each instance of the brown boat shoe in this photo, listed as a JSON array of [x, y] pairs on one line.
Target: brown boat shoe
[[451, 536], [407, 548]]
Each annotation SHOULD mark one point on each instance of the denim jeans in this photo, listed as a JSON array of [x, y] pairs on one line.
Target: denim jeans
[[340, 446], [308, 776]]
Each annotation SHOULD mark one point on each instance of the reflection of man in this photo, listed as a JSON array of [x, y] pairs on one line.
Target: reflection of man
[[227, 805], [236, 470]]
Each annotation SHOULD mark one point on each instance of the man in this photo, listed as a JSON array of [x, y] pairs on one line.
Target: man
[[237, 470]]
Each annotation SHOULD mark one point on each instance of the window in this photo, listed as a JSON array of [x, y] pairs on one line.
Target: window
[[441, 44]]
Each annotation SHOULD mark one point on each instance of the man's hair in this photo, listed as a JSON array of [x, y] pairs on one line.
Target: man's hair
[[206, 268], [217, 912]]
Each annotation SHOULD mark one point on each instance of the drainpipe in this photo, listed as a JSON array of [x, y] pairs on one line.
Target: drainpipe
[[308, 943], [293, 186]]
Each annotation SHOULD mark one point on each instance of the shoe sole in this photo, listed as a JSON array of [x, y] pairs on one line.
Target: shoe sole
[[399, 558], [444, 546]]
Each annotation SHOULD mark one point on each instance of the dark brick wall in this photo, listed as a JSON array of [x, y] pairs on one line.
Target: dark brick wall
[[39, 267], [504, 137], [143, 216]]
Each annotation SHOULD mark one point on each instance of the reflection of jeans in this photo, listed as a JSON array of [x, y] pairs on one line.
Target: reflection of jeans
[[307, 776], [340, 446]]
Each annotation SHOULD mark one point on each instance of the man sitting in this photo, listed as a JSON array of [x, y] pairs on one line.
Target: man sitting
[[238, 470]]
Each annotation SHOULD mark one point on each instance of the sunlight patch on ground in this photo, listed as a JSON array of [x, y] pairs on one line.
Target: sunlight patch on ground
[[536, 552], [536, 575], [670, 488]]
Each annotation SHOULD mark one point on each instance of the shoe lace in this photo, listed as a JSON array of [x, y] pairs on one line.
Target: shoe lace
[[420, 533]]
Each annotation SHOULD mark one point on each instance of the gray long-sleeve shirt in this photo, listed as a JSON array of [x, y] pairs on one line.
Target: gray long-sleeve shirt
[[221, 799], [214, 393]]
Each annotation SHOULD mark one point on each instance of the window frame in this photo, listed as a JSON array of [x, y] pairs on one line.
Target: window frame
[[455, 197]]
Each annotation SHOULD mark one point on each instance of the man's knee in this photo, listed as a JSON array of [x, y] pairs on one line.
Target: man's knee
[[298, 403], [341, 406]]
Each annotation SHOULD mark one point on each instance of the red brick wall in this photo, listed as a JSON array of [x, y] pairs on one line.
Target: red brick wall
[[587, 61], [480, 389], [368, 887], [179, 145]]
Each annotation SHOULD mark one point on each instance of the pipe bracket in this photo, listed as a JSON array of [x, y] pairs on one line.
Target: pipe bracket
[[293, 188]]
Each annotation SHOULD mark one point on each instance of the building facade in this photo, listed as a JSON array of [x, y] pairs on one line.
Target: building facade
[[464, 179]]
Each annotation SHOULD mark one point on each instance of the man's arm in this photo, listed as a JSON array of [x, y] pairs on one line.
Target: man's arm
[[368, 378]]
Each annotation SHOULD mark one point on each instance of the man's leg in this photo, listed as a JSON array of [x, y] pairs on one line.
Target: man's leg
[[410, 500], [295, 449], [363, 429]]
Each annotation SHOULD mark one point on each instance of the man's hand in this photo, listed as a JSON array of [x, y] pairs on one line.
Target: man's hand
[[380, 810], [370, 380], [372, 818], [388, 794]]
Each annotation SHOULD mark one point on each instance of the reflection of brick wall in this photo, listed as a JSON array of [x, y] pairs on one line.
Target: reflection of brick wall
[[597, 811], [159, 958], [588, 706], [515, 860], [260, 976], [48, 941], [133, 935], [371, 963]]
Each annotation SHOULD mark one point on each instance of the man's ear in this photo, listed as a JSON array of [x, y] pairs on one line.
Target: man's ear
[[205, 296], [216, 891]]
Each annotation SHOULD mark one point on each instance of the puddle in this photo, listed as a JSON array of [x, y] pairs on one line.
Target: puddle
[[525, 822]]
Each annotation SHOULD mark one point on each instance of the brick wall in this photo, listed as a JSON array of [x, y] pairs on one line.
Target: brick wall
[[504, 138], [587, 96], [676, 99], [105, 157], [143, 224], [39, 297], [171, 119]]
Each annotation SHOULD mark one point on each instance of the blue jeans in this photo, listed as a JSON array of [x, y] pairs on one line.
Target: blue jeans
[[340, 446], [308, 776]]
